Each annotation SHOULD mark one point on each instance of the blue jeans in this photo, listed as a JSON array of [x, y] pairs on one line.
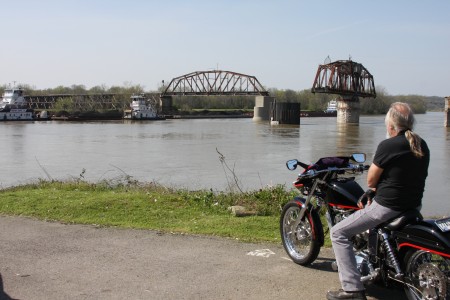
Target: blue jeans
[[341, 235]]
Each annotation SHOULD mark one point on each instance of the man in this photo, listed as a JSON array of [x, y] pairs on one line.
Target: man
[[397, 176]]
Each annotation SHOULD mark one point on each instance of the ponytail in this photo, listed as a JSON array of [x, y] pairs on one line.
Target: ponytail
[[414, 143]]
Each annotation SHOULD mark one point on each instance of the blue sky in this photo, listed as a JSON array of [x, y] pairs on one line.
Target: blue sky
[[404, 44]]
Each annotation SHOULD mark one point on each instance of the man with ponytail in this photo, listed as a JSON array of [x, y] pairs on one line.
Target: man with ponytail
[[397, 179]]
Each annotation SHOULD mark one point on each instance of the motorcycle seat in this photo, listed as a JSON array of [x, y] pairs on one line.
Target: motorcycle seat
[[407, 217]]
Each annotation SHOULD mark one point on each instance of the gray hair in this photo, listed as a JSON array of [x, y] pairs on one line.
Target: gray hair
[[400, 117]]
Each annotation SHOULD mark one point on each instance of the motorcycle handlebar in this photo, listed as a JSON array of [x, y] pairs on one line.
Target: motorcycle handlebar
[[354, 168], [363, 168]]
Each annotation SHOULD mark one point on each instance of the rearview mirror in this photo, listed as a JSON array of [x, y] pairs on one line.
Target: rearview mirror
[[359, 157], [292, 164]]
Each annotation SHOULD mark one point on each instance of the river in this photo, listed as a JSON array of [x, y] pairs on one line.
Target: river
[[183, 153]]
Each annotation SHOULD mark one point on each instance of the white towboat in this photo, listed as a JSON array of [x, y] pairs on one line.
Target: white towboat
[[141, 109], [332, 107], [13, 106]]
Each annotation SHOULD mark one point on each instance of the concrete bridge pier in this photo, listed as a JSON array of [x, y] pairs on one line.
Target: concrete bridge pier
[[348, 109], [447, 111], [165, 103], [261, 111]]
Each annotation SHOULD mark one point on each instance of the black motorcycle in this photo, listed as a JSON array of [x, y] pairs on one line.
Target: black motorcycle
[[408, 249]]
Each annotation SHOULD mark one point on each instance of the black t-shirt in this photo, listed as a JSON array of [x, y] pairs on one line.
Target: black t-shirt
[[402, 182]]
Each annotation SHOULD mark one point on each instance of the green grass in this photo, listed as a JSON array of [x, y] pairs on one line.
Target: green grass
[[150, 206]]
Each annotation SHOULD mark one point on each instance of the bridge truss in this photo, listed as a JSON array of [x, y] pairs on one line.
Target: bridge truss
[[79, 101], [217, 82], [86, 102], [344, 77]]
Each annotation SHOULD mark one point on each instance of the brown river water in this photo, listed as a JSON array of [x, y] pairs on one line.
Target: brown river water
[[183, 152]]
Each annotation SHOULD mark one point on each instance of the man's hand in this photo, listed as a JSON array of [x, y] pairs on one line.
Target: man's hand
[[361, 205], [366, 198]]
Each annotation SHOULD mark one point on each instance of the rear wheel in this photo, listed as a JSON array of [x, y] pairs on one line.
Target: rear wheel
[[301, 238], [427, 276]]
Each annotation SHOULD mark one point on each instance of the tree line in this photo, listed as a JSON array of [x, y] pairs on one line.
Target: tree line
[[308, 100]]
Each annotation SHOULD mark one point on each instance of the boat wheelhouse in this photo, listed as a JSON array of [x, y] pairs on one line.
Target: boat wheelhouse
[[141, 109], [332, 106], [13, 106]]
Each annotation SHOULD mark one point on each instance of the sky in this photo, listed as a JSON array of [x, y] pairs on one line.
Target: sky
[[405, 45]]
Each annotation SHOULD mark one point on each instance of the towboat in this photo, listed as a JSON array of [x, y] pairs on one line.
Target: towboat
[[331, 107], [13, 106], [141, 109]]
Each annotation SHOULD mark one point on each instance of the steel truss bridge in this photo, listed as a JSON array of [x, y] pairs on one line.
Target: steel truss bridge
[[81, 101], [217, 82], [84, 102], [346, 78], [203, 83]]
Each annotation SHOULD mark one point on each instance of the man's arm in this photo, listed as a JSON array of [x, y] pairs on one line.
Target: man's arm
[[373, 176]]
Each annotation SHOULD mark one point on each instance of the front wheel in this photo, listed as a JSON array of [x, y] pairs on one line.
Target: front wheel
[[427, 276], [301, 239]]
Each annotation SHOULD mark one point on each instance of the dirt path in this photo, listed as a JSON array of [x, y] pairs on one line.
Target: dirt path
[[45, 260]]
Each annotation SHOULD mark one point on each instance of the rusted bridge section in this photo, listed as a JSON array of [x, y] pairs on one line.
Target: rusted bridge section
[[217, 82], [83, 102], [201, 83], [348, 79], [78, 101], [345, 78]]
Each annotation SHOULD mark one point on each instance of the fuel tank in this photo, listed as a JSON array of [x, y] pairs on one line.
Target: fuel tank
[[344, 193]]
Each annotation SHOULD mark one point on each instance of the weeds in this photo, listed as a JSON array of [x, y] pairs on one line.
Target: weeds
[[229, 174]]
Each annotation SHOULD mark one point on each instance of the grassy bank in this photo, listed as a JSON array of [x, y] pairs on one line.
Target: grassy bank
[[150, 206]]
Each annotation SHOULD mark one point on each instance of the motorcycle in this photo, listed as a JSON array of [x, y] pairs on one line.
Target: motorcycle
[[407, 249]]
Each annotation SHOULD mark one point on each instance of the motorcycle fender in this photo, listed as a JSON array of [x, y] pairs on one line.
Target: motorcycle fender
[[318, 228], [424, 236]]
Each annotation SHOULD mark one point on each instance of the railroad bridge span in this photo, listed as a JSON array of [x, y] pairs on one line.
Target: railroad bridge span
[[219, 82], [201, 83], [106, 101], [81, 101], [348, 79]]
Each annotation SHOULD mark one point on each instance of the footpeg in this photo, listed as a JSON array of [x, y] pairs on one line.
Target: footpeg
[[373, 276]]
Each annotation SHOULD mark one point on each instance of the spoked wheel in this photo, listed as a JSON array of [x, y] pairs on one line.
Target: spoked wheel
[[301, 238], [427, 276]]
